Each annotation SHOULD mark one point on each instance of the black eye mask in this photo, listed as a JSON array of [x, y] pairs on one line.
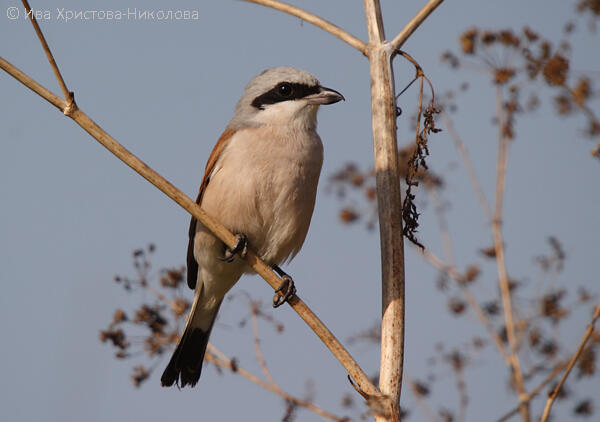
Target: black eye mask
[[285, 91]]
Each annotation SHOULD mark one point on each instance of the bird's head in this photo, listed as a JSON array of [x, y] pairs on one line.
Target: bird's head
[[283, 96]]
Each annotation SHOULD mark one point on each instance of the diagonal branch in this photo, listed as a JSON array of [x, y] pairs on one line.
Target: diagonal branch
[[67, 94], [194, 209], [554, 393], [414, 23], [315, 20], [460, 146]]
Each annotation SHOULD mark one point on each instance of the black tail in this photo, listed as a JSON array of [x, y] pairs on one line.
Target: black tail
[[186, 362], [185, 365]]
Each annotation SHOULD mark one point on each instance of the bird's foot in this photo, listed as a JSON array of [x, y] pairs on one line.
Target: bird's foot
[[285, 291], [241, 247]]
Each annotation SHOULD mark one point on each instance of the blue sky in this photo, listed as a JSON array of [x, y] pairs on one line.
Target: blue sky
[[71, 214]]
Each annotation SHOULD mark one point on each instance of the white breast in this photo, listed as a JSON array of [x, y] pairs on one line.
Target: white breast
[[265, 185]]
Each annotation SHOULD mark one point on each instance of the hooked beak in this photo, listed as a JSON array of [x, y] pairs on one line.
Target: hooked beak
[[325, 96]]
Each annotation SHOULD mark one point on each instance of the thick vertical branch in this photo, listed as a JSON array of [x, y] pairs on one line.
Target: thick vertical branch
[[389, 206]]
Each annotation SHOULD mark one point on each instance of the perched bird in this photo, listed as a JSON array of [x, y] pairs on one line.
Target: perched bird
[[260, 182]]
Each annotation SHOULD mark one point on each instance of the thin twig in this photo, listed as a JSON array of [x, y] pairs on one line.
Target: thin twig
[[499, 249], [315, 20], [194, 209], [257, 348], [219, 359], [419, 110], [554, 393], [460, 146], [63, 86], [414, 23], [461, 387], [471, 300], [443, 224]]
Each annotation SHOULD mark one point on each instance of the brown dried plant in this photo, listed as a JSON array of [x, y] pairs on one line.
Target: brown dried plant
[[525, 323], [525, 62]]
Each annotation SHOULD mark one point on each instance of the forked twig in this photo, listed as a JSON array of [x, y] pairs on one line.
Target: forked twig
[[63, 86], [389, 209]]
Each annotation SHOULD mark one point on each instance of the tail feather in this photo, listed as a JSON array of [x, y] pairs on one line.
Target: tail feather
[[185, 365]]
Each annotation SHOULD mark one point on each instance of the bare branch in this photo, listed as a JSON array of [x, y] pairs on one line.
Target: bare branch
[[49, 96], [315, 20], [67, 94], [554, 393], [414, 23], [194, 209]]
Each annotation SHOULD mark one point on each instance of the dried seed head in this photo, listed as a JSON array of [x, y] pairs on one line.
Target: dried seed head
[[467, 41], [556, 70]]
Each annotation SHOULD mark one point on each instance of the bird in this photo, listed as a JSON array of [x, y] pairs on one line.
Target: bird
[[260, 182]]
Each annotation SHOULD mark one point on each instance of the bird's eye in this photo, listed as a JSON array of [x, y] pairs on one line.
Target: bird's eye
[[285, 90]]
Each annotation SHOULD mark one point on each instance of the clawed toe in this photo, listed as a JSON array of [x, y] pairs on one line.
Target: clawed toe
[[241, 247], [285, 291]]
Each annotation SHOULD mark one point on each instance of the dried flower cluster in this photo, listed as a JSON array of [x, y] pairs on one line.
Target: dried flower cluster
[[591, 6], [156, 322], [531, 59]]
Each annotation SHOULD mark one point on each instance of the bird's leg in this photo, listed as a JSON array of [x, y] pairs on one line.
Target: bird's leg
[[286, 290], [241, 247]]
